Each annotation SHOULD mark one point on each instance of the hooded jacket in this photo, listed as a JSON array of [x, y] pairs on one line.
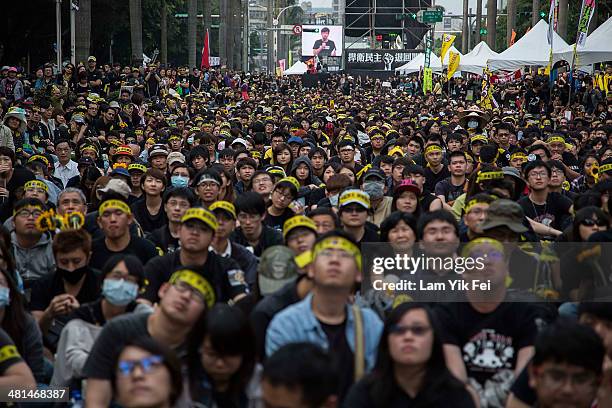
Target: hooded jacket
[[36, 262], [312, 179], [6, 134]]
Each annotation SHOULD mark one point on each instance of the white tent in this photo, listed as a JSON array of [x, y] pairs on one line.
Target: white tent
[[598, 47], [298, 68], [530, 49], [417, 64], [476, 60]]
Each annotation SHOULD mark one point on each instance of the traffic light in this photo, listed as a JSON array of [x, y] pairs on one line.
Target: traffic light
[[542, 14], [379, 37], [483, 31]]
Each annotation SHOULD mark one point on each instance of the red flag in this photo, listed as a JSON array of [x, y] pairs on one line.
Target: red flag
[[206, 52]]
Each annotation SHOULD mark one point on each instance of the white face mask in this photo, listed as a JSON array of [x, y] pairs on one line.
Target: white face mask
[[334, 200], [472, 124]]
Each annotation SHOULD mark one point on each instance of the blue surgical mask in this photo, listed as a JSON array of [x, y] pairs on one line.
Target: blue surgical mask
[[334, 200], [190, 139], [179, 181], [5, 296], [119, 292], [472, 124]]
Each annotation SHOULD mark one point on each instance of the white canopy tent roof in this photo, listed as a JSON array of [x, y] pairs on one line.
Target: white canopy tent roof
[[598, 47], [530, 49], [476, 60], [417, 64], [298, 68]]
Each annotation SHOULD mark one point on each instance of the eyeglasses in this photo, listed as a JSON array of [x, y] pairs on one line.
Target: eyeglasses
[[589, 222], [29, 213], [208, 185], [242, 217], [183, 287], [283, 196], [147, 364], [538, 174], [36, 190], [179, 204], [556, 378], [417, 330]]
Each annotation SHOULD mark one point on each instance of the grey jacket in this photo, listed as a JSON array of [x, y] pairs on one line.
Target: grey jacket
[[36, 262], [6, 137]]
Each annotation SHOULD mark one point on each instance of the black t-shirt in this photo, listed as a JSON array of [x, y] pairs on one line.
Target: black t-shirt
[[328, 47], [163, 240], [341, 354], [269, 237], [223, 274], [431, 178], [450, 191], [8, 352], [277, 221], [20, 176], [139, 247], [47, 287], [148, 222], [489, 342], [360, 396], [114, 336], [555, 213]]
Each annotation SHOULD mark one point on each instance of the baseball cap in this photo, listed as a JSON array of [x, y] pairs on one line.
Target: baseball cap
[[374, 174], [505, 213], [12, 69], [295, 139], [297, 222], [120, 171], [276, 268], [158, 150], [239, 140], [91, 58], [118, 186], [175, 157], [354, 196], [201, 214], [226, 206], [407, 185]]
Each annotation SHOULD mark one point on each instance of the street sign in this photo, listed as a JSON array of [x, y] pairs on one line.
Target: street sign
[[430, 16], [297, 29]]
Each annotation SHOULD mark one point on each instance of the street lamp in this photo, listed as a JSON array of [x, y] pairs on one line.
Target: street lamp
[[275, 23]]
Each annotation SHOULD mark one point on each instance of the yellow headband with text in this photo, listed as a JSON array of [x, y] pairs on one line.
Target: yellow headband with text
[[338, 243], [114, 204], [196, 281]]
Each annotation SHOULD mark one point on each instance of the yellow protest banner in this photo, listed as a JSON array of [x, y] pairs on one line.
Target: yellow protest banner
[[453, 64], [447, 41], [427, 80]]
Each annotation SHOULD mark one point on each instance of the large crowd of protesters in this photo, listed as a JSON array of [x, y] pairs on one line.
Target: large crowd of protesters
[[182, 238]]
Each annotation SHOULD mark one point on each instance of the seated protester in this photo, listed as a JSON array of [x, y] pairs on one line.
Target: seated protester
[[39, 190], [589, 168], [208, 186], [566, 350], [406, 198], [334, 186], [558, 180], [397, 173], [180, 176], [245, 168], [354, 206], [474, 214], [450, 188], [183, 301], [282, 204], [114, 219], [72, 284], [31, 247], [14, 372], [325, 219], [373, 183], [71, 200], [122, 276], [435, 171], [196, 233], [410, 368], [226, 335], [346, 152], [253, 233], [149, 211], [14, 176], [198, 157], [158, 381], [488, 339], [317, 157], [300, 234], [281, 283], [428, 200], [176, 201], [335, 269], [262, 183], [136, 171], [550, 209], [20, 325], [302, 171], [299, 375], [225, 212]]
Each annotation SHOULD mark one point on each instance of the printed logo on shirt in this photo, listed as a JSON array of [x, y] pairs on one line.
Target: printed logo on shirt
[[236, 277], [488, 351]]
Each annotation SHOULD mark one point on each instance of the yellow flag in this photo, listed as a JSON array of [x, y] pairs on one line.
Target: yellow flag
[[447, 41], [453, 64], [427, 80]]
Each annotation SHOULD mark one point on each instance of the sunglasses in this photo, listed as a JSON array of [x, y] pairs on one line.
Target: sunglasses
[[147, 364], [589, 222]]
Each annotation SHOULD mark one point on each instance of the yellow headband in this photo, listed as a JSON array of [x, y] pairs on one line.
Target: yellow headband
[[338, 243], [489, 175], [223, 205], [519, 155], [201, 214], [471, 205], [432, 148], [196, 281], [479, 241], [479, 138], [114, 204], [291, 180], [36, 184], [355, 196], [298, 221], [39, 157], [137, 166], [89, 147], [555, 139], [605, 167]]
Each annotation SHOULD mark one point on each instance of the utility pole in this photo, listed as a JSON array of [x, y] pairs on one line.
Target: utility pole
[[192, 21], [74, 7], [465, 29], [58, 34], [245, 37], [491, 22], [510, 20], [562, 25], [478, 21], [271, 45], [164, 33], [535, 12]]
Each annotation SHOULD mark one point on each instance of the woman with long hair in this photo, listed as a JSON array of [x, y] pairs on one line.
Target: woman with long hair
[[149, 211], [411, 370], [283, 157], [221, 359]]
